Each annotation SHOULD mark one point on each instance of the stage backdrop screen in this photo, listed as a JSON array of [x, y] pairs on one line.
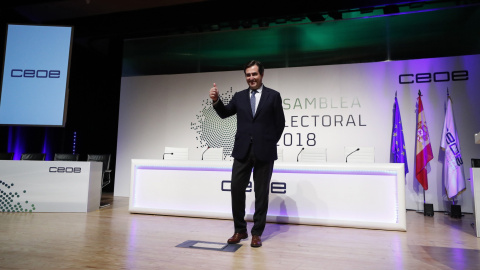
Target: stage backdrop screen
[[35, 75]]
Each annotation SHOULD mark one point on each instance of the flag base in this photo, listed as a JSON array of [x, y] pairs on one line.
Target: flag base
[[428, 209], [456, 211]]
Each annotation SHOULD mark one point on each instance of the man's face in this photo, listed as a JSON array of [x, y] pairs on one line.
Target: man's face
[[254, 79]]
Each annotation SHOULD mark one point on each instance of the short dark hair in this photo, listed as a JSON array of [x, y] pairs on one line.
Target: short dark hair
[[252, 63]]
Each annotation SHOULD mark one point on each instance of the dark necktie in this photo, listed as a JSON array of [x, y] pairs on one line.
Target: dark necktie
[[252, 101]]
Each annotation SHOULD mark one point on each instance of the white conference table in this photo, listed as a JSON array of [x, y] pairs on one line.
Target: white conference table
[[50, 186], [475, 185], [363, 195]]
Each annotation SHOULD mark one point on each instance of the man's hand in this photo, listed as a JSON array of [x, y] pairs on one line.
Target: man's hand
[[214, 93]]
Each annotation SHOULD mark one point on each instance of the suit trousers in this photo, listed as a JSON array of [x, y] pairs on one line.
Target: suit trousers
[[262, 174]]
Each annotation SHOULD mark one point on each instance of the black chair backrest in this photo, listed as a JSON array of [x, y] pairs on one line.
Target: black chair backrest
[[105, 159], [33, 156], [475, 162], [66, 157], [6, 156]]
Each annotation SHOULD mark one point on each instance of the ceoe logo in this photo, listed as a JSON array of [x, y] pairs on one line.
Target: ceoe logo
[[65, 170], [32, 73]]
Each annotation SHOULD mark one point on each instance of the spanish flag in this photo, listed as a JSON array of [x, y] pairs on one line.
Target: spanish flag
[[424, 148]]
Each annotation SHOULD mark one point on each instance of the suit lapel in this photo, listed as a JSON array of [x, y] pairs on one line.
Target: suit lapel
[[263, 99]]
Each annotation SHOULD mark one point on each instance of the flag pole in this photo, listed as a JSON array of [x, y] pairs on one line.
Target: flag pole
[[427, 207], [424, 200], [448, 95]]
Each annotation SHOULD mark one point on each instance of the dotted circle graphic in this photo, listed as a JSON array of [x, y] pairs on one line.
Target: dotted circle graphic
[[213, 131], [9, 200]]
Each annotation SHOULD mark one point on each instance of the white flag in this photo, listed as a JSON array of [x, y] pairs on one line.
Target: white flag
[[453, 166]]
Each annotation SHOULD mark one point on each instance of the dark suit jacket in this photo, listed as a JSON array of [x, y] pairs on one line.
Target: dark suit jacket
[[264, 129]]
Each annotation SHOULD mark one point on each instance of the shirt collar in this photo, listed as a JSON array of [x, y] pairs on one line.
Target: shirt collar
[[259, 90]]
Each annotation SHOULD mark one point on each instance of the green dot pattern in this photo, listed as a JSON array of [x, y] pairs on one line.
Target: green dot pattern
[[213, 131], [9, 202]]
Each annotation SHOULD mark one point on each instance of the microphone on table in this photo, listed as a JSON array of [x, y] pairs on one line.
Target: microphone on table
[[346, 158], [300, 152], [208, 147], [166, 154]]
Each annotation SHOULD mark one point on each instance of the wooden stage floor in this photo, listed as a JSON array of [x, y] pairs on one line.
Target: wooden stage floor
[[112, 238]]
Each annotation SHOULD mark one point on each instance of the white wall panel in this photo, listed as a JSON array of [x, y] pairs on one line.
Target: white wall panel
[[171, 110]]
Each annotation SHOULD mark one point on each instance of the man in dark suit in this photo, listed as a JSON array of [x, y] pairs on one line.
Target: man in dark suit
[[260, 124]]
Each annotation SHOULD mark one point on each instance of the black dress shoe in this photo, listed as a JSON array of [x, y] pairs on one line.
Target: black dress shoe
[[237, 237], [256, 241]]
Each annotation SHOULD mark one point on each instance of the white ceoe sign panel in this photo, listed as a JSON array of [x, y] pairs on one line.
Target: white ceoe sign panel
[[50, 186], [369, 195]]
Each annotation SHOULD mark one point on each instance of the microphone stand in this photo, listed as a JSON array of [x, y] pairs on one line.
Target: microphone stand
[[346, 158], [300, 152], [208, 147]]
